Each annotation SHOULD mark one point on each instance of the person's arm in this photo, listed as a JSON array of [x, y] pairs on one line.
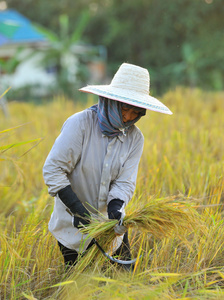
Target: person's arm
[[70, 199], [64, 155], [61, 160], [123, 186]]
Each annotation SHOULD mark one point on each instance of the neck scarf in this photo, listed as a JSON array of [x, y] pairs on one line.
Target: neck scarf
[[110, 117]]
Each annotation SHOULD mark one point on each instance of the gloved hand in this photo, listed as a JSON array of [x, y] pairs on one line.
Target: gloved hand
[[82, 216], [78, 210], [113, 209]]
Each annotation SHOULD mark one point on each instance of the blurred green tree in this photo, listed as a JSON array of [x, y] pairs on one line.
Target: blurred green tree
[[64, 52], [150, 33]]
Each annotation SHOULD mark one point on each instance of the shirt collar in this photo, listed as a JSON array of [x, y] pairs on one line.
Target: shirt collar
[[120, 137]]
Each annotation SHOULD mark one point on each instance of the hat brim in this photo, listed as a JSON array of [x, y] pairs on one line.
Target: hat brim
[[127, 96]]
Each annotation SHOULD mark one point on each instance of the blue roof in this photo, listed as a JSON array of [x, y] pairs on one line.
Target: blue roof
[[15, 28]]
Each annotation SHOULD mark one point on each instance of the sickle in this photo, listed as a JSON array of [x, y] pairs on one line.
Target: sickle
[[119, 261]]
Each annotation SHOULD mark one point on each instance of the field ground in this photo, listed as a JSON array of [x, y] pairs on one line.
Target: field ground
[[183, 159]]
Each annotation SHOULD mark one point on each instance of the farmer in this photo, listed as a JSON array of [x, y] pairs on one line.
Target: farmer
[[93, 163]]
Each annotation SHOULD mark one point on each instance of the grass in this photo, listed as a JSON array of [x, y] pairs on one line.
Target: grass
[[182, 162]]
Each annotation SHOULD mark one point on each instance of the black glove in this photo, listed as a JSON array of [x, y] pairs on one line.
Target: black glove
[[113, 209], [69, 198]]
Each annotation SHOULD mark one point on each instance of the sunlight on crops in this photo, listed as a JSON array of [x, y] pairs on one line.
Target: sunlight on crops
[[183, 159]]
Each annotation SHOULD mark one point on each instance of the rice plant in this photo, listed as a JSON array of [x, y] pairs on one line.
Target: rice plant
[[175, 218]]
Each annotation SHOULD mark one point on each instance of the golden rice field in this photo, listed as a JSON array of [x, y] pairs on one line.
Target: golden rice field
[[182, 163]]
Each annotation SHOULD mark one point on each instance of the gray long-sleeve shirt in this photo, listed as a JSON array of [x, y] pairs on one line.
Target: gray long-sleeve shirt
[[98, 168]]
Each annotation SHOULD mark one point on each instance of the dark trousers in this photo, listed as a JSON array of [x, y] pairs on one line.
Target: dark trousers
[[70, 256]]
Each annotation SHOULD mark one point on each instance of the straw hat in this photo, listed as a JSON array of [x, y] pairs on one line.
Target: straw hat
[[129, 85]]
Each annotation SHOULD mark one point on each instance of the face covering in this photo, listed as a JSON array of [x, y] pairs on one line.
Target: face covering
[[110, 116]]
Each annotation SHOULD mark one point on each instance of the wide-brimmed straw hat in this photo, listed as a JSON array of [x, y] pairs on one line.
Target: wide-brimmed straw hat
[[130, 85]]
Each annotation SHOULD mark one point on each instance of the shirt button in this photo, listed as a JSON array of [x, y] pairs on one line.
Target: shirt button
[[106, 165], [103, 183]]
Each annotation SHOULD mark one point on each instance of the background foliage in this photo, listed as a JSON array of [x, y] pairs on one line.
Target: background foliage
[[180, 42]]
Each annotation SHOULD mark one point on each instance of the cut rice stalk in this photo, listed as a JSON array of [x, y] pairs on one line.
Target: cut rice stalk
[[159, 217]]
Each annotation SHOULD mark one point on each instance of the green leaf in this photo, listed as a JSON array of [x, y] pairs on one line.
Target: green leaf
[[64, 25], [12, 128], [4, 148], [77, 34], [63, 283], [5, 93], [29, 297], [46, 32]]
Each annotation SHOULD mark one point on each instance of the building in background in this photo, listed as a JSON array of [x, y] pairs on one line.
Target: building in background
[[22, 48], [18, 40]]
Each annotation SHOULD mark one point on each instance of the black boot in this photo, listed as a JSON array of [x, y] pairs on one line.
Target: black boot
[[70, 256]]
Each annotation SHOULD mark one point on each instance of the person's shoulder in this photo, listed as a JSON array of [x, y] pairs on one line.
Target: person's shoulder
[[84, 114], [136, 133], [81, 117], [81, 120]]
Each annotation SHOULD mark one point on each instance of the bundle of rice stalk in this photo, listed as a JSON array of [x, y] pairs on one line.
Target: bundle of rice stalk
[[162, 217], [159, 217]]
